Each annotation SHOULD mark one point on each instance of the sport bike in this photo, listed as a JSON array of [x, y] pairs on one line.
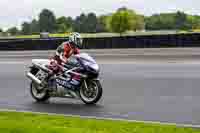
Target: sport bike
[[79, 80]]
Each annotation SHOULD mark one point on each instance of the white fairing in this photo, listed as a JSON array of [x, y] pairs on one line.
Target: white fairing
[[41, 62], [89, 61], [95, 67], [87, 57]]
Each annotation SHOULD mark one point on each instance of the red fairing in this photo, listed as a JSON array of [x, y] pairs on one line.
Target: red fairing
[[76, 51], [68, 51]]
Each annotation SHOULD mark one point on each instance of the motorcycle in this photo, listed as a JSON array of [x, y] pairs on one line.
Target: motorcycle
[[80, 80]]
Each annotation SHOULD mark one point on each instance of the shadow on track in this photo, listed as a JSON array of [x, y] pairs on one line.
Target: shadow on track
[[68, 108]]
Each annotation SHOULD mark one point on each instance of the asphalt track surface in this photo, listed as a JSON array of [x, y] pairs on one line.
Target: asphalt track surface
[[134, 88]]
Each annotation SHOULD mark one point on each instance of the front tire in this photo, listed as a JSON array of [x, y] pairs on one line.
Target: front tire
[[39, 96], [93, 84]]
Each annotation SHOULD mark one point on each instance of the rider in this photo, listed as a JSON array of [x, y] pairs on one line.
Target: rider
[[65, 50]]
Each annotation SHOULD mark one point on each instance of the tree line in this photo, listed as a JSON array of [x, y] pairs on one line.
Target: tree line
[[121, 21]]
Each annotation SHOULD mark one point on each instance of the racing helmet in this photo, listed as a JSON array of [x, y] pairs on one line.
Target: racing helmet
[[76, 39]]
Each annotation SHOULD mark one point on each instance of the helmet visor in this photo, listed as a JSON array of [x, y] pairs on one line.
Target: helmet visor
[[79, 42]]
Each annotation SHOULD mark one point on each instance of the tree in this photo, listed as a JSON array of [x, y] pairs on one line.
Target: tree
[[13, 31], [103, 23], [61, 24], [26, 29], [170, 21], [64, 24], [139, 23], [122, 9], [79, 23], [34, 27], [181, 20], [164, 21], [194, 21], [87, 23], [91, 23], [122, 21], [47, 21], [30, 28]]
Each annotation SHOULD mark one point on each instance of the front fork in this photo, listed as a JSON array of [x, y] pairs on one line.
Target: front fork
[[85, 85]]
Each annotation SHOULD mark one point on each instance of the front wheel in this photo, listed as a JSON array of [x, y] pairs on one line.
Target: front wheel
[[91, 91], [38, 93]]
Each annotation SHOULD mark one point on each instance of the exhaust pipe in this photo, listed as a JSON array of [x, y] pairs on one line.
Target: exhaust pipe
[[33, 78]]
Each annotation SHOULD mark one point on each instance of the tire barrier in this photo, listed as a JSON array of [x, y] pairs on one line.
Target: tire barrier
[[145, 41]]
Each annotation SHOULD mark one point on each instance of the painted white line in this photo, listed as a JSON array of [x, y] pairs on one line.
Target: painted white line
[[115, 62], [11, 62], [143, 62], [104, 54], [23, 56], [104, 118]]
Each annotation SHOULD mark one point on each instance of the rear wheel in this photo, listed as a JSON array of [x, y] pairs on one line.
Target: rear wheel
[[91, 92], [39, 93]]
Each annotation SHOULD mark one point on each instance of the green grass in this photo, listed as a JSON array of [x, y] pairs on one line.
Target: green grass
[[27, 36], [96, 35], [12, 122]]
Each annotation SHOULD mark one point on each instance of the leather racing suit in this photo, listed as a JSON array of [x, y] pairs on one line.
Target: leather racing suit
[[63, 52]]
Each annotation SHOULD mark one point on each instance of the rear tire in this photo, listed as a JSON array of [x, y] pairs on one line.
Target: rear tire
[[33, 90], [98, 95]]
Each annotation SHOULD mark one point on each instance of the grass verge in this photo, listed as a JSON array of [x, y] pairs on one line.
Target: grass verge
[[97, 35], [13, 122]]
